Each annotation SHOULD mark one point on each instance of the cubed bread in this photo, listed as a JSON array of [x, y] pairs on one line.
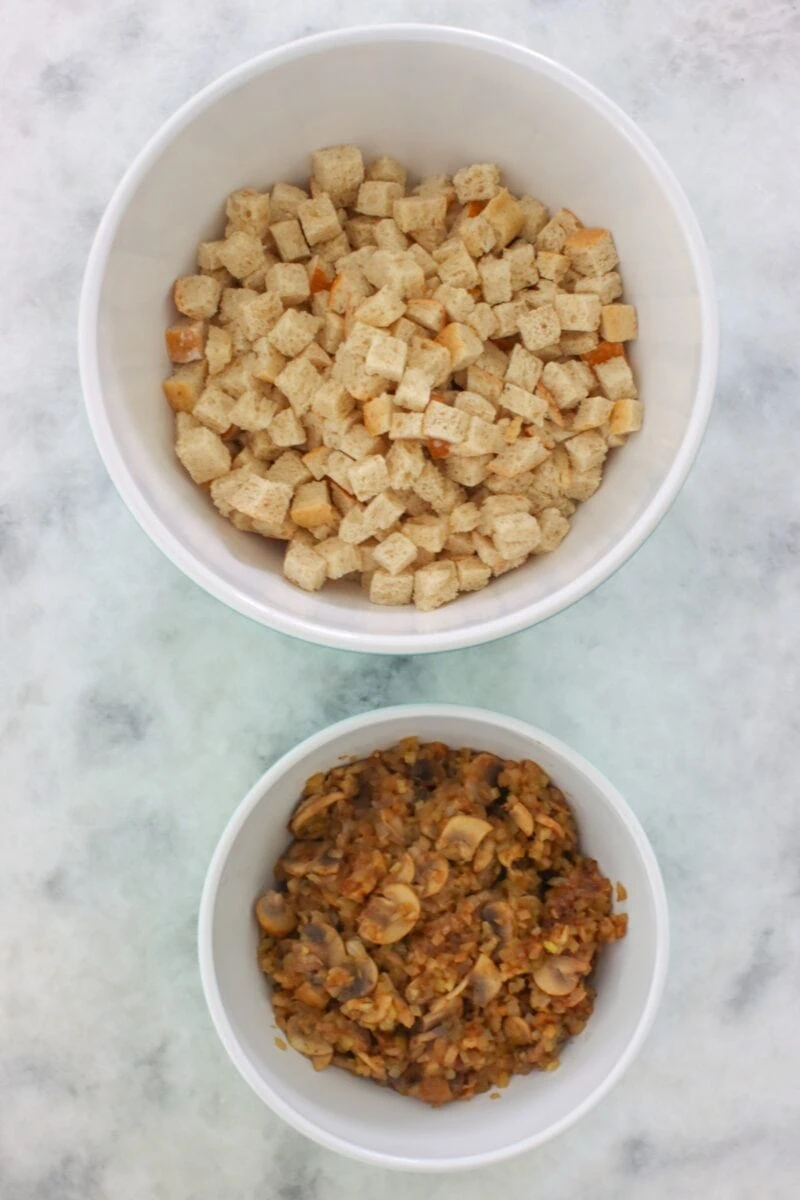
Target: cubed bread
[[472, 573], [293, 332], [184, 386], [495, 274], [516, 535], [586, 450], [311, 506], [339, 171], [477, 235], [524, 454], [539, 327], [618, 322], [197, 296], [578, 312], [286, 429], [185, 341], [289, 240], [395, 553], [435, 585], [483, 320], [531, 407], [299, 381], [304, 567], [289, 282], [413, 213], [385, 588], [608, 287], [387, 356], [249, 211], [241, 254], [201, 451], [616, 378], [340, 558], [626, 417], [591, 251], [319, 220], [444, 423], [505, 216], [461, 343], [480, 181], [369, 477]]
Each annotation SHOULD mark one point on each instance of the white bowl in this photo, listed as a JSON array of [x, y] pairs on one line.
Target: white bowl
[[354, 1116], [436, 98]]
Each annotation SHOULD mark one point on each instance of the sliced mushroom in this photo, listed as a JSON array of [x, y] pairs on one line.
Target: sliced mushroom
[[307, 1043], [445, 1006], [300, 858], [275, 914], [355, 977], [485, 981], [326, 943], [500, 916], [390, 914], [308, 809], [326, 864], [480, 777], [484, 854], [517, 1031], [521, 817], [403, 870], [313, 996], [559, 974], [461, 837], [431, 873]]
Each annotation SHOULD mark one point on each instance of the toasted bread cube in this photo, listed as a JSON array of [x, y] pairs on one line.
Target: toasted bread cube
[[565, 386], [539, 327], [457, 302], [232, 302], [304, 567], [552, 266], [320, 277], [430, 314], [218, 349], [414, 391], [444, 423], [348, 289], [376, 197], [382, 309], [477, 235], [482, 438], [523, 455], [318, 219], [293, 332], [464, 518], [626, 417], [315, 461], [423, 259], [357, 443], [378, 415], [535, 217], [441, 492], [428, 532], [383, 511], [616, 378], [472, 573], [289, 239], [184, 386], [360, 232], [333, 251], [457, 267], [354, 528], [516, 535], [261, 445], [286, 429], [591, 251], [241, 253], [267, 361], [340, 557], [395, 553], [201, 451], [413, 213], [331, 335], [387, 169], [476, 405], [208, 258], [496, 506], [369, 477], [469, 472], [391, 589], [573, 342], [337, 468], [592, 412], [525, 404], [618, 322], [389, 236], [484, 383], [483, 321], [435, 585], [339, 171], [196, 296], [253, 411], [387, 356], [285, 201], [553, 528], [507, 317], [185, 341], [581, 485], [480, 181], [289, 283], [311, 506], [429, 357], [551, 237], [580, 313], [461, 343], [524, 370], [317, 356], [521, 259], [608, 287], [299, 381], [249, 211], [405, 425], [289, 468], [495, 276], [586, 450], [405, 464], [258, 316], [264, 500], [505, 216]]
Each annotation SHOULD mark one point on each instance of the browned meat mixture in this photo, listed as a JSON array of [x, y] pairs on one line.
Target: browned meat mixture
[[435, 924]]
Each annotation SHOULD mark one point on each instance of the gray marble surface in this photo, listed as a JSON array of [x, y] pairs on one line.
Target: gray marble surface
[[135, 710]]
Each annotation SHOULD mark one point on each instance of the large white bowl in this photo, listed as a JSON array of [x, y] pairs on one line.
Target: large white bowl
[[354, 1116], [436, 98]]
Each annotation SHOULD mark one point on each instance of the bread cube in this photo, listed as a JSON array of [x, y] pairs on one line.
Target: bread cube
[[331, 335], [383, 511], [480, 181], [289, 239], [196, 296], [184, 386], [551, 237], [428, 532], [241, 253], [377, 414], [476, 405], [535, 217], [618, 322], [389, 236], [484, 383], [578, 312], [405, 425], [586, 450], [472, 573], [304, 566], [259, 315], [525, 404], [285, 201], [457, 267], [289, 283], [524, 454], [582, 485], [444, 423], [477, 235], [232, 301], [608, 287], [208, 258], [521, 258], [495, 276], [319, 221], [391, 589], [616, 378], [387, 356], [388, 169], [253, 411], [414, 391], [431, 314], [249, 211], [299, 381], [369, 477], [552, 266], [315, 461], [185, 341], [507, 318], [353, 528], [339, 171], [572, 342], [395, 553], [213, 408], [441, 492], [461, 343], [524, 369], [357, 443], [286, 429], [457, 302], [218, 349], [505, 216], [340, 557], [626, 417], [435, 585], [404, 463], [293, 332], [413, 213], [483, 321], [591, 251], [311, 506], [201, 451], [539, 327], [376, 197], [267, 361], [496, 506], [381, 309], [516, 535]]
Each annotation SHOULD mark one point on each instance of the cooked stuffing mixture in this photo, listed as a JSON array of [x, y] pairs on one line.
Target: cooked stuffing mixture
[[410, 386], [434, 925]]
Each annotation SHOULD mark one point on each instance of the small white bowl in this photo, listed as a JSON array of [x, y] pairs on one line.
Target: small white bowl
[[436, 98], [355, 1116]]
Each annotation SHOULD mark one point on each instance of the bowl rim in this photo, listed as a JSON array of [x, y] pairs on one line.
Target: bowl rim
[[324, 631], [259, 792]]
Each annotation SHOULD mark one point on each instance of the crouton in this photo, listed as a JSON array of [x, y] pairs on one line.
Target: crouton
[[481, 181], [405, 425], [387, 356], [201, 451], [626, 417], [525, 404], [616, 379], [580, 313], [462, 344], [484, 383], [472, 573], [507, 318], [441, 492], [539, 327], [444, 423], [483, 321], [253, 411], [319, 221], [340, 557], [395, 553], [290, 241], [288, 282], [304, 566], [413, 213], [385, 588], [339, 171], [185, 341], [495, 276], [377, 414], [618, 322], [299, 380], [552, 266], [573, 342], [428, 532], [381, 309], [456, 266], [476, 405], [435, 585], [285, 200], [586, 450], [430, 314], [369, 477], [505, 216], [184, 386], [286, 429], [383, 511], [521, 259], [249, 211], [524, 454], [241, 253], [376, 197], [516, 535], [311, 506], [535, 217], [591, 251], [196, 296], [293, 332], [477, 235], [608, 286], [469, 472]]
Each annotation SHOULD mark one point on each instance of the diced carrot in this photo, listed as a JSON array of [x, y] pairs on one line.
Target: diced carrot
[[603, 353], [476, 206], [319, 281], [437, 448]]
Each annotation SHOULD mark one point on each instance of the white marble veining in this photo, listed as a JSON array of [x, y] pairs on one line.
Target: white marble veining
[[135, 710]]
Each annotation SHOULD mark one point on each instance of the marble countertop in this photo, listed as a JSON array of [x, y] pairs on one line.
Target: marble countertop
[[135, 710]]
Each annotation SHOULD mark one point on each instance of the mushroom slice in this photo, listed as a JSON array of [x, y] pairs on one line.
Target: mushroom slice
[[403, 870], [485, 981], [307, 1043], [431, 873], [390, 914], [521, 817], [461, 837], [558, 975], [499, 915], [308, 809], [301, 858], [326, 943], [484, 854], [355, 977], [275, 914], [517, 1031]]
